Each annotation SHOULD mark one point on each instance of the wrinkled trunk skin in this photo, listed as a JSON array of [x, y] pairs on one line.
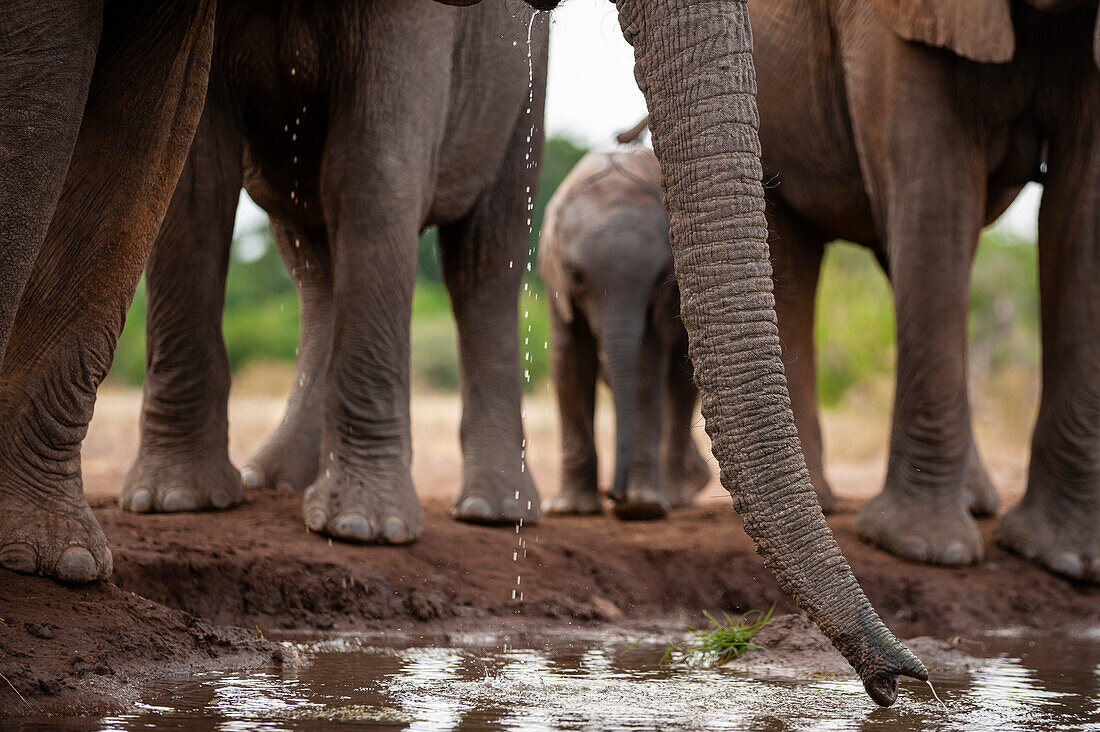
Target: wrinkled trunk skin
[[694, 65], [621, 351]]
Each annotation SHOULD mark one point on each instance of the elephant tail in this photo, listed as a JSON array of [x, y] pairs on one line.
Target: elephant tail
[[634, 132]]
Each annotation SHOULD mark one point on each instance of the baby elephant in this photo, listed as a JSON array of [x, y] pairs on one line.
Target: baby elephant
[[607, 265]]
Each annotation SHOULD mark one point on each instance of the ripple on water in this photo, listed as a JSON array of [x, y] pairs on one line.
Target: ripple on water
[[552, 683]]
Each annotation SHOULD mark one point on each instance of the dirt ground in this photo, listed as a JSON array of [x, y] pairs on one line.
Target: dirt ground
[[199, 590]]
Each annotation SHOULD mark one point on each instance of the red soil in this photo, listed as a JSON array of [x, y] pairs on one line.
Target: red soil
[[182, 580]]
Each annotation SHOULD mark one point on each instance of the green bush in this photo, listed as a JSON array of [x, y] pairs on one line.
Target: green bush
[[855, 326], [260, 322], [855, 322], [855, 314]]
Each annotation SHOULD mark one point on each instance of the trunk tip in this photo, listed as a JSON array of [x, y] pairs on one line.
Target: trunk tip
[[882, 683], [883, 688]]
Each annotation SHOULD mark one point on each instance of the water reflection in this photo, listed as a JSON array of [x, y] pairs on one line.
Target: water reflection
[[429, 668], [609, 684]]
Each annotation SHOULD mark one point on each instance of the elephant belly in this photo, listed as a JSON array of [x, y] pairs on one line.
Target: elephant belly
[[296, 74], [808, 152], [496, 105]]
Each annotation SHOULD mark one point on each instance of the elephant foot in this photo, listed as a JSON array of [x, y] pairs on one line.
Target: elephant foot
[[365, 509], [683, 482], [574, 501], [1064, 539], [289, 460], [497, 498], [912, 528], [172, 483], [641, 503], [54, 536], [980, 494]]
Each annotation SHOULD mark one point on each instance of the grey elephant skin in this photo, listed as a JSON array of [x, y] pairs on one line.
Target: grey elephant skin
[[605, 260], [115, 95], [381, 119], [907, 125]]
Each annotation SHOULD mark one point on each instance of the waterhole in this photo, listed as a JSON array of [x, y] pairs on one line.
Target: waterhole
[[606, 682]]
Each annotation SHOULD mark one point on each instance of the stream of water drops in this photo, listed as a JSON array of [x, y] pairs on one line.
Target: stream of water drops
[[530, 164]]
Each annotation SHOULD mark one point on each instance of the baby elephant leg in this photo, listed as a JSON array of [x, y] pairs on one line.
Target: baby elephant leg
[[685, 470]]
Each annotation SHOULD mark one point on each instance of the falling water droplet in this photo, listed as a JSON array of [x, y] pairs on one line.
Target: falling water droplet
[[530, 253]]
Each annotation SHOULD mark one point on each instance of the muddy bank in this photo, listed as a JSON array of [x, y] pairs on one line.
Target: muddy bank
[[182, 580], [791, 646], [258, 566], [92, 647]]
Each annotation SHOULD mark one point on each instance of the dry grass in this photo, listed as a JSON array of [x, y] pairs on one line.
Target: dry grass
[[856, 433]]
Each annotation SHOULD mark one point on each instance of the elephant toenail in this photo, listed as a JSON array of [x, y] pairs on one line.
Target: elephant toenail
[[18, 557], [252, 477], [180, 499], [285, 486], [955, 554], [141, 501], [353, 527], [77, 566], [396, 532], [1069, 564], [475, 508], [316, 520], [220, 499]]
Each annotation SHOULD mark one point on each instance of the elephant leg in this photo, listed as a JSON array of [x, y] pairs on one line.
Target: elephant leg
[[684, 469], [45, 72], [980, 494], [183, 460], [291, 456], [1057, 523], [364, 490], [373, 202], [934, 219], [482, 260], [143, 106], [574, 369], [796, 260]]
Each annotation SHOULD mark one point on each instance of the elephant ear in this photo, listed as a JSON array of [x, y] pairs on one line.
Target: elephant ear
[[550, 268], [980, 30]]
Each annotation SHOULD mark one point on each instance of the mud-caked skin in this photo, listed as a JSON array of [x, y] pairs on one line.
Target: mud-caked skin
[[907, 129], [51, 532], [354, 127], [607, 266], [98, 104]]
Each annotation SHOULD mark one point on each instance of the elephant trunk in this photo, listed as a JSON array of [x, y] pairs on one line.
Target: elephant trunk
[[621, 348], [694, 65]]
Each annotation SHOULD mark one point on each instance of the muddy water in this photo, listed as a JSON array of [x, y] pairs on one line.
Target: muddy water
[[607, 683]]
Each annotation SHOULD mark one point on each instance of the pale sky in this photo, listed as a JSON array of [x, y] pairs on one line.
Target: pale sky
[[591, 95]]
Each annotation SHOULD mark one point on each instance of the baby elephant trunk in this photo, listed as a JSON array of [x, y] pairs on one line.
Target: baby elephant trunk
[[621, 350]]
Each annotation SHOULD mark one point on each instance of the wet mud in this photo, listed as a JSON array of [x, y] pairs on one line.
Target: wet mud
[[200, 591]]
